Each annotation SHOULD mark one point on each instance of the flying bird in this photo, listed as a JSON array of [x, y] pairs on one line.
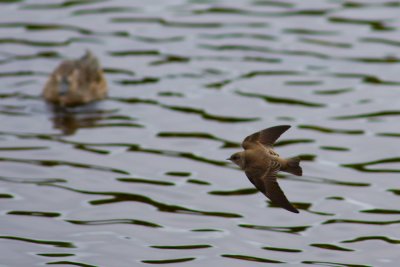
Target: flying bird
[[261, 164]]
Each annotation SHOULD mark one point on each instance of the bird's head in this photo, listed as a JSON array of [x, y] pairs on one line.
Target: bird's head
[[238, 159]]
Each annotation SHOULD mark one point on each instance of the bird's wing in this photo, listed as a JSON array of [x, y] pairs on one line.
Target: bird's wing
[[267, 137], [267, 184]]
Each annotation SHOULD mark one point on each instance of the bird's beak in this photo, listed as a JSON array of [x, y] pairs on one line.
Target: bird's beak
[[228, 159]]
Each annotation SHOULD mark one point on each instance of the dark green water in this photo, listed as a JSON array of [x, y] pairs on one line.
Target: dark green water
[[141, 178]]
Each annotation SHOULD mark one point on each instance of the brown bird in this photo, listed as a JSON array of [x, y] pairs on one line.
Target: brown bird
[[261, 164], [76, 82]]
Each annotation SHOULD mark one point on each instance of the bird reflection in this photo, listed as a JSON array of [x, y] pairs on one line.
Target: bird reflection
[[69, 120]]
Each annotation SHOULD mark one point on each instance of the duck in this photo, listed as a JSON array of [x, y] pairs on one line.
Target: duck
[[76, 82]]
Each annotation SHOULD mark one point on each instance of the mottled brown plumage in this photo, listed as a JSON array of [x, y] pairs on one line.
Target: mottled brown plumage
[[76, 82], [261, 164]]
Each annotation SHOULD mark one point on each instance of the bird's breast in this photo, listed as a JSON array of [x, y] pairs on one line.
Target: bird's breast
[[258, 158]]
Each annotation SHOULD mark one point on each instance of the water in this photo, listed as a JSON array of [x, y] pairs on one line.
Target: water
[[141, 178]]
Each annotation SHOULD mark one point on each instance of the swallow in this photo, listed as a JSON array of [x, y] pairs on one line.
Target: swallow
[[261, 164], [76, 82]]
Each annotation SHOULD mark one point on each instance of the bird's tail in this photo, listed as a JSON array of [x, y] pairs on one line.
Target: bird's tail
[[293, 166]]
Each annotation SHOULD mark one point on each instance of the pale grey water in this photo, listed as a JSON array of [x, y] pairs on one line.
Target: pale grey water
[[141, 177]]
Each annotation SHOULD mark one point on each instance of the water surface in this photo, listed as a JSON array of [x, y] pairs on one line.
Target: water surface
[[141, 178]]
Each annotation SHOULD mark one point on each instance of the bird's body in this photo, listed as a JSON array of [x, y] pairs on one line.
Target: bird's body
[[261, 164], [76, 82]]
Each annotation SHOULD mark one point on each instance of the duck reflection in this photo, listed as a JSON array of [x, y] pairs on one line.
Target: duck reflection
[[69, 120], [72, 91]]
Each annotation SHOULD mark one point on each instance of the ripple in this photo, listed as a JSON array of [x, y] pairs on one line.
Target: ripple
[[206, 230], [23, 148], [116, 197], [167, 23], [118, 71], [104, 10], [198, 182], [363, 166], [330, 130], [145, 80], [128, 53], [65, 4], [189, 110], [293, 141], [367, 238], [327, 181], [304, 83], [116, 221], [381, 211], [282, 100], [395, 191], [45, 27], [304, 31], [37, 181], [168, 59], [251, 74], [326, 43], [21, 73], [87, 146], [183, 247], [55, 255], [58, 244], [70, 263], [384, 41], [241, 11], [361, 222], [334, 264], [376, 60], [289, 250], [168, 261], [186, 155], [352, 4], [302, 206], [333, 91], [38, 55], [199, 135], [281, 4], [145, 181], [250, 258], [238, 192], [335, 148], [330, 247], [48, 43], [280, 229], [366, 78], [241, 35], [53, 163], [34, 213], [377, 25], [155, 39], [369, 115], [170, 94], [178, 173], [208, 116]]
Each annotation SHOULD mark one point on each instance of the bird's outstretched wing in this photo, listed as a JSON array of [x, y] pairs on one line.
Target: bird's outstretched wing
[[267, 184], [267, 137]]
